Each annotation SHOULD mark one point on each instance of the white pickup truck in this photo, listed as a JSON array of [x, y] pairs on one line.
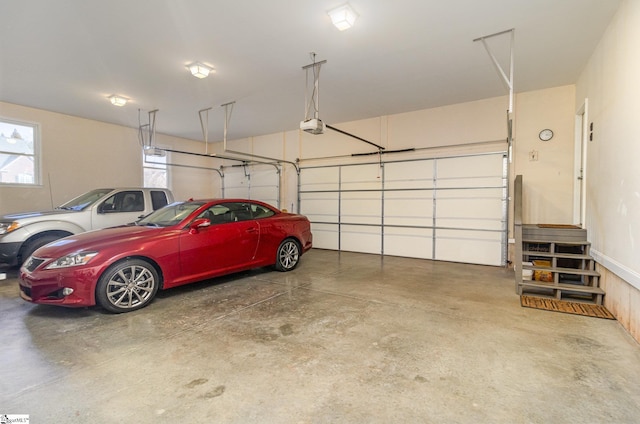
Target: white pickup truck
[[22, 233]]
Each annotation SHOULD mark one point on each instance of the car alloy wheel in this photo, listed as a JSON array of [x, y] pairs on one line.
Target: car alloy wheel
[[127, 286], [288, 255]]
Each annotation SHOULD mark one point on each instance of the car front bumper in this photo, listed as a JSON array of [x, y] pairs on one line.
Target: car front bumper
[[48, 286], [9, 253]]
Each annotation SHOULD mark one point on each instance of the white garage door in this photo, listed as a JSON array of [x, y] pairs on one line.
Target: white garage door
[[256, 182], [450, 209]]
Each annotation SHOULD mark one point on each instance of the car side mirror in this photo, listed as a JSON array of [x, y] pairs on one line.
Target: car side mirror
[[197, 224]]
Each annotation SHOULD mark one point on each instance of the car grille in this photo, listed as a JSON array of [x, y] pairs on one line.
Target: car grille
[[33, 263], [26, 290]]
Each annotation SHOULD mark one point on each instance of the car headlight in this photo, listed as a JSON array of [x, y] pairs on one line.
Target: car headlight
[[7, 227], [74, 259]]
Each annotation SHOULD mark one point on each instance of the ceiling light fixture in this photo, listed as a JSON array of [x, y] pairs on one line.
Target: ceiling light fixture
[[118, 100], [343, 17], [200, 70]]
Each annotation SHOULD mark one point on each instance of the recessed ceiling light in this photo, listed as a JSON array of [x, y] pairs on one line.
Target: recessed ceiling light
[[118, 100], [200, 70], [343, 17]]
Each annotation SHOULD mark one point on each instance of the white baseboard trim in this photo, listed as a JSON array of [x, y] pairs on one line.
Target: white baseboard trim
[[627, 274]]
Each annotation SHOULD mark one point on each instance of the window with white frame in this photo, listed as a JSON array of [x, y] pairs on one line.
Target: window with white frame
[[156, 173], [19, 153]]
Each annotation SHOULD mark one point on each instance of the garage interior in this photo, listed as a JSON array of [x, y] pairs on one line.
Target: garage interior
[[414, 142]]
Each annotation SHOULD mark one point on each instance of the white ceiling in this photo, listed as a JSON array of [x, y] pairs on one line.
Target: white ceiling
[[68, 55]]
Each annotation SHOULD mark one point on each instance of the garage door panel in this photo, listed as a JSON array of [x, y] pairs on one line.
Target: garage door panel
[[236, 185], [258, 182], [408, 242], [361, 177], [325, 236], [408, 208], [449, 209], [471, 171], [479, 181], [317, 179], [470, 166], [470, 212], [236, 192], [361, 208], [320, 207], [264, 194], [360, 238], [417, 174], [469, 246], [470, 222], [264, 183]]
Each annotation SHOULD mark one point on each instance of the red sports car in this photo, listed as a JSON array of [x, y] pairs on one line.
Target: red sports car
[[122, 268]]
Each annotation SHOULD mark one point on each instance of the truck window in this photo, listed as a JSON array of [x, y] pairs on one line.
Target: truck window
[[158, 199], [124, 201], [81, 202]]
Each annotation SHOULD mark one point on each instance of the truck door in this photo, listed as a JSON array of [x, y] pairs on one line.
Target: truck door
[[118, 209]]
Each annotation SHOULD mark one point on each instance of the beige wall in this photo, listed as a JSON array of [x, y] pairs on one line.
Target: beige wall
[[461, 128], [548, 180], [81, 154], [610, 83]]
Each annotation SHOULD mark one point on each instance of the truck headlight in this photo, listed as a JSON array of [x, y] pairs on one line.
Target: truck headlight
[[74, 259], [7, 227]]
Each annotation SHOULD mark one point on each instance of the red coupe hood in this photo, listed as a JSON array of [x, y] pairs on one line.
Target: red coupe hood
[[97, 239]]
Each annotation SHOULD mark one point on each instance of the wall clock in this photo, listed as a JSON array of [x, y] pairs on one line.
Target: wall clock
[[546, 135]]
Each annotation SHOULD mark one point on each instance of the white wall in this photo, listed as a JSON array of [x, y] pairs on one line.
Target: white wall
[[611, 84]]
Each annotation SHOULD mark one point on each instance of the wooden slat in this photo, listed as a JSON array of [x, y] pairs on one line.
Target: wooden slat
[[556, 255], [577, 308], [564, 287], [573, 271]]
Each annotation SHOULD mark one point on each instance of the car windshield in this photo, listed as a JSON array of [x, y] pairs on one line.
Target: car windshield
[[170, 214], [84, 200]]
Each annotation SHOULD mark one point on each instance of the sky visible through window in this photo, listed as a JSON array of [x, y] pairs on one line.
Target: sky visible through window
[[17, 153]]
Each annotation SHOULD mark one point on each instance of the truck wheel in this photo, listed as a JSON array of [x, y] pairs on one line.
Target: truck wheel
[[35, 244]]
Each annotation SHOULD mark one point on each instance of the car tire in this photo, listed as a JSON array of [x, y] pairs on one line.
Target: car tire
[[127, 286], [288, 255], [35, 244]]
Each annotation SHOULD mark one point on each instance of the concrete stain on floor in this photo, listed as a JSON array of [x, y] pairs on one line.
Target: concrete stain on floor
[[345, 338]]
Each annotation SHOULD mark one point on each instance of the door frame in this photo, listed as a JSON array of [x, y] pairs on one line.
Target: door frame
[[580, 164]]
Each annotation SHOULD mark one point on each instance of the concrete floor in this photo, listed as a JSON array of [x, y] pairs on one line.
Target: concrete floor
[[345, 338]]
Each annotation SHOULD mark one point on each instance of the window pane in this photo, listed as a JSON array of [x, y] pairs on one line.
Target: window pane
[[155, 178], [158, 199], [86, 199], [18, 146], [150, 159], [16, 169], [16, 138], [155, 171]]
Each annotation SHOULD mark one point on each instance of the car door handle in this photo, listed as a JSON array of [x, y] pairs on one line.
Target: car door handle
[[252, 230]]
